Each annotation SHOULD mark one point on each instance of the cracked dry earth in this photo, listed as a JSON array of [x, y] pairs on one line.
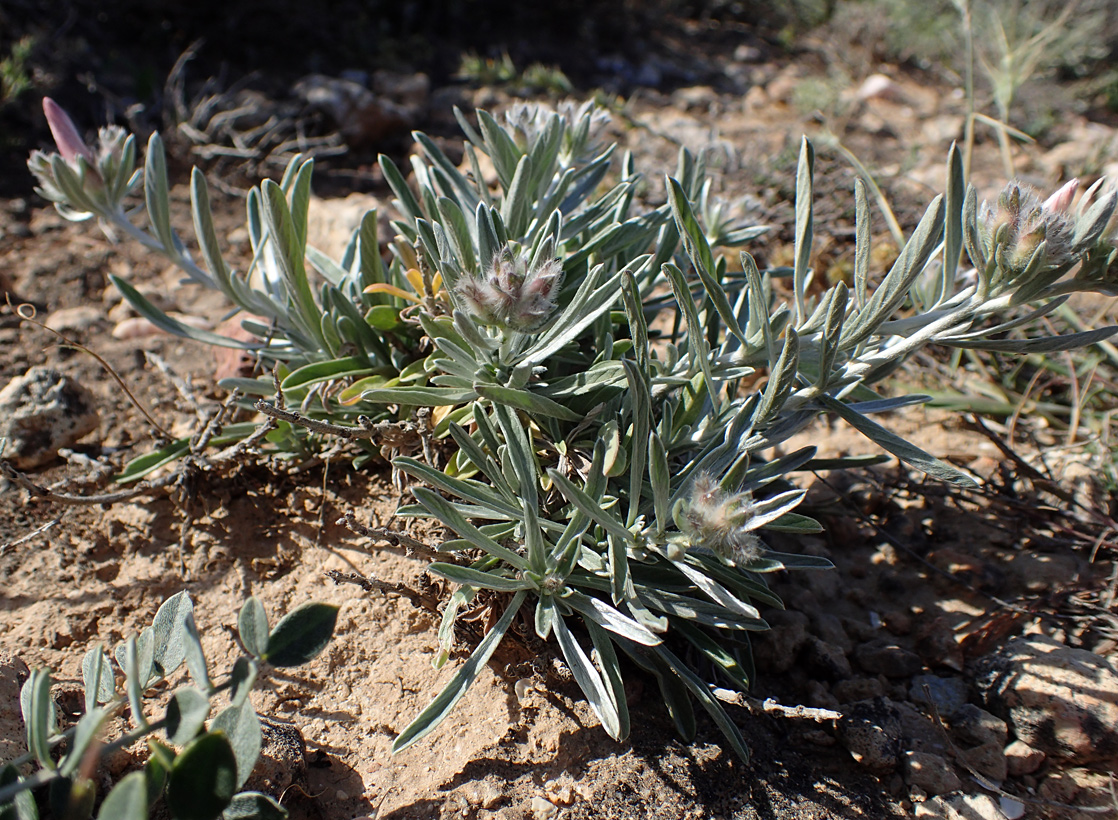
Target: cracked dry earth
[[937, 597]]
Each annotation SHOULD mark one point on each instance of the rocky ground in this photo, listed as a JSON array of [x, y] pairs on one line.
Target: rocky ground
[[958, 662]]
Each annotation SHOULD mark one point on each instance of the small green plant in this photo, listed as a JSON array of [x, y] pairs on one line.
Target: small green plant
[[198, 767], [584, 371], [537, 78], [15, 76]]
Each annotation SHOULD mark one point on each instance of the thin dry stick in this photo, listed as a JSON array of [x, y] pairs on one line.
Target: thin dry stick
[[27, 313], [373, 584], [33, 534], [394, 539]]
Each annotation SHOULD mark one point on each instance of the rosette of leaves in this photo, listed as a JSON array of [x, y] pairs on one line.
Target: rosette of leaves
[[610, 478], [201, 753]]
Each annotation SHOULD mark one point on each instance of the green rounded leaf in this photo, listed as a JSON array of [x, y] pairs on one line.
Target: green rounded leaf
[[301, 634], [128, 801], [254, 806], [203, 778], [242, 727], [383, 317], [169, 649], [23, 805], [186, 715], [252, 624]]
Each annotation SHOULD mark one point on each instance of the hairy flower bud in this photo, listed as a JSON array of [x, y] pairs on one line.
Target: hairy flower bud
[[510, 295], [66, 137], [717, 520], [1021, 222]]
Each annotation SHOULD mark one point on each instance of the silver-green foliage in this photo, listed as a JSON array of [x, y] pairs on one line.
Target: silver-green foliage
[[587, 362], [200, 780]]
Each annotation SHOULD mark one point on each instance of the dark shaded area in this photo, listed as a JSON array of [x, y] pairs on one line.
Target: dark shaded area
[[110, 62]]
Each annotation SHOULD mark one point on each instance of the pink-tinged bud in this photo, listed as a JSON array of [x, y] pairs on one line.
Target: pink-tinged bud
[[66, 137], [1060, 202]]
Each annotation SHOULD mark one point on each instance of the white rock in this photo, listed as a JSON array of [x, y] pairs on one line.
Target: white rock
[[41, 412]]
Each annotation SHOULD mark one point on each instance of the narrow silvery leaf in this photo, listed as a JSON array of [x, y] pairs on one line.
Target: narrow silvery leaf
[[610, 668], [520, 454], [716, 652], [186, 715], [1089, 227], [715, 591], [97, 677], [169, 649], [515, 208], [769, 510], [640, 396], [157, 193], [1048, 344], [128, 658], [195, 655], [409, 205], [634, 312], [301, 634], [242, 728], [905, 451], [598, 694], [805, 195], [252, 626], [699, 250], [459, 234], [481, 494], [606, 616], [545, 618], [527, 401], [38, 716], [502, 150], [782, 378], [475, 578], [698, 351], [953, 226], [127, 801], [862, 248], [700, 692], [660, 479], [206, 233], [430, 717], [703, 612], [590, 507], [444, 511], [972, 241], [164, 322], [835, 302], [85, 733]]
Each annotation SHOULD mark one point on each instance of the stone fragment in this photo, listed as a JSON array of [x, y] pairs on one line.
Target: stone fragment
[[855, 689], [974, 726], [829, 628], [283, 759], [880, 87], [362, 117], [13, 674], [776, 649], [1059, 700], [871, 731], [41, 412], [930, 772], [825, 660], [988, 760], [75, 318], [1022, 759], [948, 694], [883, 657]]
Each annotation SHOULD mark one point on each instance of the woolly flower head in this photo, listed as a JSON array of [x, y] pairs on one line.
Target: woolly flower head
[[719, 520], [583, 123], [511, 294], [1020, 222]]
